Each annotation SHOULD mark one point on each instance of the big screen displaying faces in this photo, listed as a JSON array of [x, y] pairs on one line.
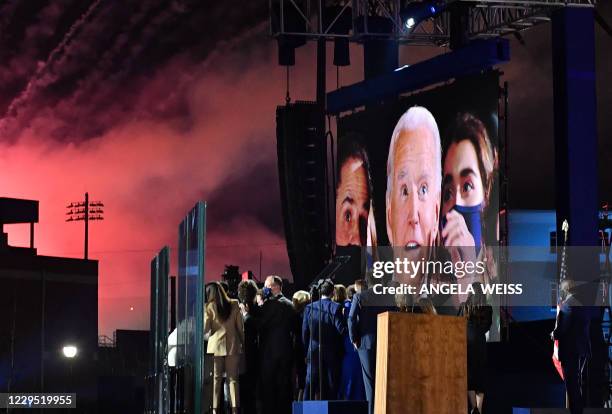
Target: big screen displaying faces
[[419, 175]]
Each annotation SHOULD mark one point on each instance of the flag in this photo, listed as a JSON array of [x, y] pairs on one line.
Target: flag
[[555, 355], [555, 358]]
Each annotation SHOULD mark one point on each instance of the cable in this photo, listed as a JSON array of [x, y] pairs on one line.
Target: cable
[[148, 250], [337, 77], [287, 96]]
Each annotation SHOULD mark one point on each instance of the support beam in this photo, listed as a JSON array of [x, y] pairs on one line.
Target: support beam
[[471, 59], [459, 25], [575, 106], [321, 73], [575, 129]]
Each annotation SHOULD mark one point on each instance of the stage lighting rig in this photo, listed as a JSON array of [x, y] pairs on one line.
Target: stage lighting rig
[[416, 22]]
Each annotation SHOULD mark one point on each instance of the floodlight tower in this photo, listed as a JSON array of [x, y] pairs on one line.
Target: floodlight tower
[[85, 211]]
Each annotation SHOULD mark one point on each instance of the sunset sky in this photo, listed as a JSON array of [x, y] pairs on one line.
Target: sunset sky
[[152, 106]]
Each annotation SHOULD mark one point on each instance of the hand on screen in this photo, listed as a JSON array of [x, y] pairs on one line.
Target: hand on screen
[[456, 237], [455, 232]]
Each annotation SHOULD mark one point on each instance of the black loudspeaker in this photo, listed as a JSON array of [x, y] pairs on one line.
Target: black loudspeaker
[[286, 52], [459, 25], [302, 156], [288, 18], [342, 56], [380, 55]]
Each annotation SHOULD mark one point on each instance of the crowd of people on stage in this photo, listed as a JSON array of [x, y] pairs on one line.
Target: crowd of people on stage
[[270, 351], [322, 345]]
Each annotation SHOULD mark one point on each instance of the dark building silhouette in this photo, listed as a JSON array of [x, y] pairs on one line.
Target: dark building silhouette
[[123, 367], [46, 303]]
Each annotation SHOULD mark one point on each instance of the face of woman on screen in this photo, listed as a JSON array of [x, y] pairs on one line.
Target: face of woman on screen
[[462, 182]]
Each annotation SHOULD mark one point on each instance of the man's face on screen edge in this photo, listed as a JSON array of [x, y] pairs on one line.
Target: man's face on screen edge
[[352, 204]]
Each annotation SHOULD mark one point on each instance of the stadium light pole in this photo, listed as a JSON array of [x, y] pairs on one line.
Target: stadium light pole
[[85, 211]]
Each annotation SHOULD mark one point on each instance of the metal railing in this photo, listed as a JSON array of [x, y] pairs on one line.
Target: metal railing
[[105, 341]]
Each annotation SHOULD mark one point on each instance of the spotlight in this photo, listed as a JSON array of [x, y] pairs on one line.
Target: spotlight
[[69, 351], [416, 12]]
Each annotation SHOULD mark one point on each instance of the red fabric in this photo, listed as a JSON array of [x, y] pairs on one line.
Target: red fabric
[[555, 358], [555, 355]]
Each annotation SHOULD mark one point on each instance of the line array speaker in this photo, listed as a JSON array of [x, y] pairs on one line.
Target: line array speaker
[[302, 157]]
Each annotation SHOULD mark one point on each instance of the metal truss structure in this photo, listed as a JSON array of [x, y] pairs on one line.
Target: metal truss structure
[[355, 19]]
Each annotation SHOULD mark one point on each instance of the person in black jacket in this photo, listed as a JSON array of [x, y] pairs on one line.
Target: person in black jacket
[[362, 327], [479, 318], [277, 326], [247, 290], [572, 331]]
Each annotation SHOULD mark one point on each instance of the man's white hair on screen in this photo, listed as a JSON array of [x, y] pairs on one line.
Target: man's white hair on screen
[[415, 118]]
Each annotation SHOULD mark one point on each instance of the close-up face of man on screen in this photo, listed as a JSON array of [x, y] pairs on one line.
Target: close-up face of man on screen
[[352, 195], [413, 180]]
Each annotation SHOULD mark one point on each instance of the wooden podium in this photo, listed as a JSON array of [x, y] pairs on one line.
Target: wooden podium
[[421, 364]]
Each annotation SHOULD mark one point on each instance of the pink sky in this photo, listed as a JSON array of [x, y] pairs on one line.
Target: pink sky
[[149, 172]]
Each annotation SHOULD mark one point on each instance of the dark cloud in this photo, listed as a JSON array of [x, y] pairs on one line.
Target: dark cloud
[[29, 30], [107, 57], [236, 198]]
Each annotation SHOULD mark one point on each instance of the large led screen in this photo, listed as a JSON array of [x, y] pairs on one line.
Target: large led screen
[[417, 177]]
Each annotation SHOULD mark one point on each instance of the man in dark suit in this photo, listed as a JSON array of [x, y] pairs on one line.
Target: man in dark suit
[[572, 332], [362, 331], [276, 324], [329, 344]]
